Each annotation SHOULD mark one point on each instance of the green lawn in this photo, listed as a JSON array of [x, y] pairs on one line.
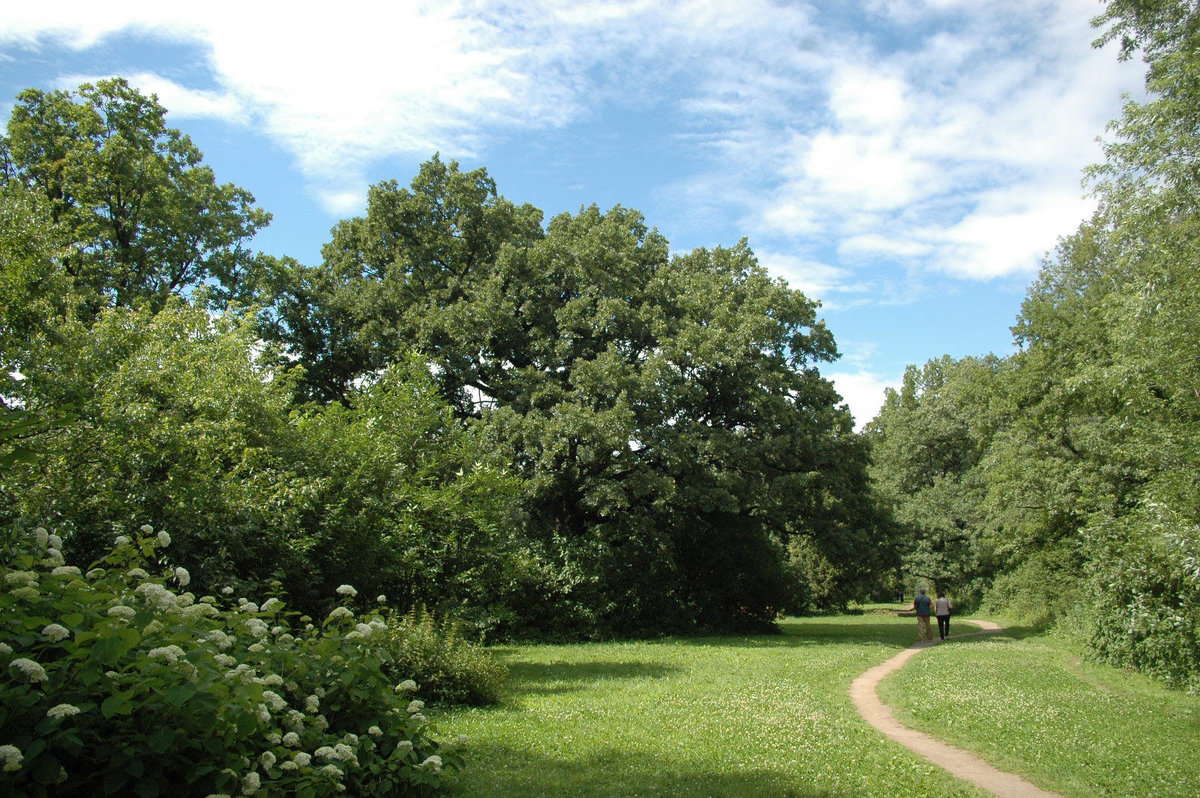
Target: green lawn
[[762, 716], [1026, 702]]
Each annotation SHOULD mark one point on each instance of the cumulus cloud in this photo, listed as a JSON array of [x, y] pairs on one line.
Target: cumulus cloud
[[863, 392]]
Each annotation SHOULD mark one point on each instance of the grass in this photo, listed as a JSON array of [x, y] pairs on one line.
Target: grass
[[765, 716], [770, 717], [1026, 703]]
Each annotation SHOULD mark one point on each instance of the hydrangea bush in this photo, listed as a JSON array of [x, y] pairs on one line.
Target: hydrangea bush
[[117, 681]]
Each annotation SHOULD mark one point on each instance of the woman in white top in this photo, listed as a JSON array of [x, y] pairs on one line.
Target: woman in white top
[[941, 608]]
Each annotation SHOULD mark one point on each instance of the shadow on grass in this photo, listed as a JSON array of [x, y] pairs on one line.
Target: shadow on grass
[[607, 772], [527, 678]]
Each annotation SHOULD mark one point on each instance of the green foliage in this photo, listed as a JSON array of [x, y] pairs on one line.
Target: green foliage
[[141, 218], [115, 682], [666, 414], [449, 667]]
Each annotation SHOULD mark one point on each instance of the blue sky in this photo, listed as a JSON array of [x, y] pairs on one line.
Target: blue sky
[[907, 162]]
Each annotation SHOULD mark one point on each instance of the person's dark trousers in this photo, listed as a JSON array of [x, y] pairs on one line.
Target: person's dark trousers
[[943, 626]]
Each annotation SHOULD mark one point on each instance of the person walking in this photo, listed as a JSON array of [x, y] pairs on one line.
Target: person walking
[[922, 606], [941, 608]]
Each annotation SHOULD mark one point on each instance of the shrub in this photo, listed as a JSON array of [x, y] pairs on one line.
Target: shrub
[[116, 682], [449, 667]]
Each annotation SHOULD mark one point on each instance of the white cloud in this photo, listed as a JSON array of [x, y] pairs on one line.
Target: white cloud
[[863, 392]]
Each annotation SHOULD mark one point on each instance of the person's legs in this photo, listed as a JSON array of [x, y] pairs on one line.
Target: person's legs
[[943, 626], [923, 627]]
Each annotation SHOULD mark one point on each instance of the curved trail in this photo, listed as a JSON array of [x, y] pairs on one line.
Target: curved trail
[[960, 763]]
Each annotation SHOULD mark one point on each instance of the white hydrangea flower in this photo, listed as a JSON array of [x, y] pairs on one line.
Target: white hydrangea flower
[[324, 752], [291, 739], [415, 706], [62, 711], [171, 653], [263, 713], [288, 764], [375, 731], [20, 578], [406, 686], [5, 649], [41, 536], [332, 771], [302, 759], [226, 591], [120, 540], [11, 756], [274, 701], [271, 605], [157, 596], [67, 570], [433, 763], [257, 627], [96, 573], [146, 529], [32, 671], [312, 704], [138, 573], [339, 613], [346, 590], [163, 539], [251, 783], [382, 599], [53, 558], [54, 541], [181, 574], [25, 592], [267, 760], [55, 632], [404, 746]]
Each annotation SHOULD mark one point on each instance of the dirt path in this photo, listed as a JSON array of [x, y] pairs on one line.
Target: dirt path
[[961, 763]]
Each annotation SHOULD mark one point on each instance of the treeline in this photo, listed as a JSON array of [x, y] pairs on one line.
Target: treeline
[[1061, 482], [552, 429]]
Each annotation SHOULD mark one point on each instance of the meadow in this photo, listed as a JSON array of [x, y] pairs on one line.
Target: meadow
[[771, 716]]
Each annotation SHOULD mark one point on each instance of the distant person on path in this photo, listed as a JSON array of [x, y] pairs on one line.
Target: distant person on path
[[941, 608], [922, 606]]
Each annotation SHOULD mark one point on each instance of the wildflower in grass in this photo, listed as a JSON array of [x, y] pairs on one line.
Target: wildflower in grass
[[164, 539], [28, 669], [267, 760], [66, 570], [302, 759], [346, 590], [181, 575], [11, 756], [291, 739], [55, 632], [406, 686], [251, 783], [62, 711]]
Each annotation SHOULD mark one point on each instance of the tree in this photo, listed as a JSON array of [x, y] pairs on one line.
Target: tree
[[666, 413], [143, 218]]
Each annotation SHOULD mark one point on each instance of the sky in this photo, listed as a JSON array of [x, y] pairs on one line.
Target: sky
[[908, 163]]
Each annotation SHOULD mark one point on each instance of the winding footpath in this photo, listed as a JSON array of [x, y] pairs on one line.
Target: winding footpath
[[960, 763]]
